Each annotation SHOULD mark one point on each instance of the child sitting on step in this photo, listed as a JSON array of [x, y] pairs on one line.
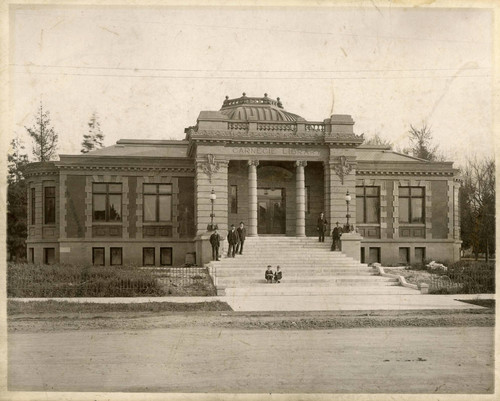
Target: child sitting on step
[[278, 275], [269, 274]]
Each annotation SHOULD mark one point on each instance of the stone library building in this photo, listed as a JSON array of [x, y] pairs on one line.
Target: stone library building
[[153, 202]]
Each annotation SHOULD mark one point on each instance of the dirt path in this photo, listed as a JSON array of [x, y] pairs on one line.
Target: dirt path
[[199, 359]]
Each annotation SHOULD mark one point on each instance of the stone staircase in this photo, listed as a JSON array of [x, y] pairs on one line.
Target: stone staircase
[[308, 266]]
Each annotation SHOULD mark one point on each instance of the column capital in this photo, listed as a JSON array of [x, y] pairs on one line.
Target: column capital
[[301, 163], [253, 163]]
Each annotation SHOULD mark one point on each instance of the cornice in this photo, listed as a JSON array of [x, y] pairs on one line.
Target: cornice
[[128, 168], [403, 172], [277, 137], [40, 173]]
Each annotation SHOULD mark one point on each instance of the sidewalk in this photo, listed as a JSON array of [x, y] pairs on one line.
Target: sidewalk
[[304, 303]]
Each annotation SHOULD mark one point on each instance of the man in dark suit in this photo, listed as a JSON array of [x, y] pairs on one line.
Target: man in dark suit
[[321, 227], [242, 234], [232, 240], [336, 233], [215, 242]]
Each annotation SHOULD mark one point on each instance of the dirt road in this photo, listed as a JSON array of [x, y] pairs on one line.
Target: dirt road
[[208, 359]]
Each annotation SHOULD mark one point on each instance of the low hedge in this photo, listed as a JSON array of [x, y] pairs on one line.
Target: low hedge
[[42, 281]]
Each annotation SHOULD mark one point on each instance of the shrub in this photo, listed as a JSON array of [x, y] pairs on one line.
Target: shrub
[[28, 280]]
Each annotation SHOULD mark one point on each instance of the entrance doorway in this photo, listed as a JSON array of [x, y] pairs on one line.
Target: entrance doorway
[[271, 211]]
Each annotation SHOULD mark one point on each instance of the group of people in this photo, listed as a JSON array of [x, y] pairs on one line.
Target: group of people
[[235, 239], [273, 277], [336, 232]]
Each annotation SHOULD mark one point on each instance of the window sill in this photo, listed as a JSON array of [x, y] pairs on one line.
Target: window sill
[[107, 223]]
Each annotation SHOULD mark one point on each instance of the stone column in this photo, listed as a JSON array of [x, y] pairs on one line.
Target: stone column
[[252, 197], [300, 225]]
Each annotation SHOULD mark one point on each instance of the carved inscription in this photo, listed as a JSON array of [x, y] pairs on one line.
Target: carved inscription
[[276, 151]]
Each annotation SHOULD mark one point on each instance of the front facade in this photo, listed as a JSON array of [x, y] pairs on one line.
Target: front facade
[[149, 202]]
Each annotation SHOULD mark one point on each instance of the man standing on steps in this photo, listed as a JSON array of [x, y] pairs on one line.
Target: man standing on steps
[[232, 240], [336, 233], [215, 242], [242, 234], [321, 227]]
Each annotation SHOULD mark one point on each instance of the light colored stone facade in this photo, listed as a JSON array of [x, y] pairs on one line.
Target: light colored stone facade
[[249, 145]]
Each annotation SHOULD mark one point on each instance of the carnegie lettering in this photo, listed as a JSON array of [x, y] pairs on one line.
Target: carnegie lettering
[[276, 151]]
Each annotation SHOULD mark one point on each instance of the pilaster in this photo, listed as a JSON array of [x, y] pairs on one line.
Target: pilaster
[[211, 173], [342, 179]]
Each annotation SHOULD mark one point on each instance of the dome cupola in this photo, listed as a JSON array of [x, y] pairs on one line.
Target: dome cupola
[[257, 109]]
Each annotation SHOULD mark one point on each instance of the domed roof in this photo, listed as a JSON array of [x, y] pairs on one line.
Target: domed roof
[[257, 108]]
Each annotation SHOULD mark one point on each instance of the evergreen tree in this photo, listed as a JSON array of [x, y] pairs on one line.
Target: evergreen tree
[[94, 138], [420, 143], [16, 202], [44, 137]]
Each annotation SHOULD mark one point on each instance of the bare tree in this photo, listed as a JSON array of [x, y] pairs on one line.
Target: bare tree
[[44, 136], [477, 206], [377, 139]]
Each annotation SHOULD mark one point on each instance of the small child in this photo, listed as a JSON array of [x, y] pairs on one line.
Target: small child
[[278, 275], [269, 274]]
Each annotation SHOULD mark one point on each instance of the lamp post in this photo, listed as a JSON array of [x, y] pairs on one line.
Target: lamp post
[[347, 201], [213, 197]]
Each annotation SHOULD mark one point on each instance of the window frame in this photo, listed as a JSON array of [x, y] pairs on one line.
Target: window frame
[[171, 256], [33, 206], [111, 249], [410, 197], [364, 196], [45, 205], [103, 255], [157, 195], [107, 193], [31, 255], [406, 250], [143, 255], [46, 255]]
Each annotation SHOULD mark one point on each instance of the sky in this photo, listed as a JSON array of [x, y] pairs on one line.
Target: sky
[[148, 72]]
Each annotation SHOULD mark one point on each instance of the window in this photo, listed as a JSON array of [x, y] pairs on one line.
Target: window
[[107, 202], [374, 255], [32, 255], [148, 256], [98, 256], [50, 205], [363, 254], [233, 196], [33, 206], [166, 256], [411, 204], [115, 256], [404, 255], [368, 204], [419, 255], [49, 256], [157, 202]]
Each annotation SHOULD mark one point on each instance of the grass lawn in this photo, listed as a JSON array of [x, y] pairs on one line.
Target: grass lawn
[[41, 307], [487, 303]]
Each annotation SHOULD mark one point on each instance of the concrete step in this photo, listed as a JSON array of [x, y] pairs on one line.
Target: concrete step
[[231, 272], [315, 281], [237, 270], [290, 290]]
